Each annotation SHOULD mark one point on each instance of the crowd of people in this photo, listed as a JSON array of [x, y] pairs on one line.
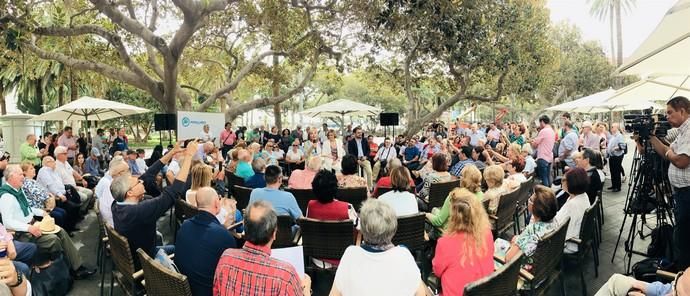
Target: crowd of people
[[226, 251]]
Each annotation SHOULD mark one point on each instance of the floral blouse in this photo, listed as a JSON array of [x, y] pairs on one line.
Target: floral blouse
[[434, 177], [528, 239], [36, 195], [350, 181]]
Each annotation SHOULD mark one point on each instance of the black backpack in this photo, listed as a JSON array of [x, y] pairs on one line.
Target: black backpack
[[661, 245], [645, 270]]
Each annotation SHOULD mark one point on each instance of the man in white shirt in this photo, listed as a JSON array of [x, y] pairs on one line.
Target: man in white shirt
[[385, 154], [68, 141], [141, 163], [17, 215], [70, 177], [48, 178], [116, 168], [206, 135]]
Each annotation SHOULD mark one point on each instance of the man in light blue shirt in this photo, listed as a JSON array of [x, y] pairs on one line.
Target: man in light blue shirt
[[616, 153], [568, 145], [476, 135], [620, 285], [284, 203]]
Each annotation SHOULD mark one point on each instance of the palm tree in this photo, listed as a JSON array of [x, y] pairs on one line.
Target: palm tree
[[613, 9]]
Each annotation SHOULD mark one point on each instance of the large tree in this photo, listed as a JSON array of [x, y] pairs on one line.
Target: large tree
[[139, 49], [475, 49]]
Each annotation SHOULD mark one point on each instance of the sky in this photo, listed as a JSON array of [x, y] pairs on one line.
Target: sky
[[638, 23]]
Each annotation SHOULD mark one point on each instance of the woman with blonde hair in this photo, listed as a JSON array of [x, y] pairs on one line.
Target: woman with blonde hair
[[472, 181], [514, 151], [332, 152], [464, 253], [202, 175], [493, 175]]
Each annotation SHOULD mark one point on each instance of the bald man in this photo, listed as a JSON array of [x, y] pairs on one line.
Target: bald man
[[201, 241]]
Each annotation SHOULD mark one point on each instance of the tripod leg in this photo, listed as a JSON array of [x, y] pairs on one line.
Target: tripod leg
[[620, 233]]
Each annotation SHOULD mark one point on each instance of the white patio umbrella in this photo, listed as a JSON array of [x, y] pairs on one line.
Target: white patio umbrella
[[342, 107], [642, 105], [588, 104], [666, 49], [88, 108], [661, 88]]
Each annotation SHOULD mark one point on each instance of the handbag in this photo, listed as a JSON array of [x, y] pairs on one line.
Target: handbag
[[53, 279]]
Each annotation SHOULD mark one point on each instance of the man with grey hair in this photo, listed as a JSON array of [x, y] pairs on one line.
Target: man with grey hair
[[260, 274], [377, 267], [48, 178], [257, 180], [135, 218], [116, 168], [18, 216]]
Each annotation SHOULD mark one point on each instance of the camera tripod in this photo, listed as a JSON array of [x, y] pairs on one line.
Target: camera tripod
[[649, 193]]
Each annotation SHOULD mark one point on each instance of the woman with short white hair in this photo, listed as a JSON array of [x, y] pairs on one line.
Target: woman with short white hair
[[377, 267]]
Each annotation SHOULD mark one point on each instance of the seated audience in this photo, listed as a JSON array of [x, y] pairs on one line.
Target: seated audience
[[283, 202], [438, 175], [257, 180], [244, 169], [589, 160], [20, 253], [515, 175], [385, 180], [471, 179], [17, 216], [542, 206], [93, 164], [132, 162], [302, 179], [465, 158], [349, 177], [200, 242], [141, 160], [332, 152], [172, 168], [295, 156], [39, 198], [135, 218], [575, 183], [621, 285], [116, 168], [493, 175], [49, 179], [70, 177], [383, 156], [201, 177], [400, 198], [465, 251], [530, 163], [480, 157], [411, 154], [79, 163], [377, 267], [251, 271]]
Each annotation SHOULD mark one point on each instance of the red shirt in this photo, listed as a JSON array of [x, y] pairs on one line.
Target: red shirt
[[252, 271], [385, 182], [446, 263], [335, 211]]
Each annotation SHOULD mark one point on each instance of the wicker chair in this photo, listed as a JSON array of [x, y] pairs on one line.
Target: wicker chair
[[123, 265], [438, 192], [303, 196], [103, 247], [326, 239], [355, 196], [525, 191], [585, 242], [284, 235], [501, 282], [160, 280], [232, 181], [546, 266], [505, 213], [241, 195], [410, 232]]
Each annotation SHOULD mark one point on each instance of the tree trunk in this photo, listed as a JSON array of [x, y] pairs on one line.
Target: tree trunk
[[276, 92], [61, 95], [39, 95], [613, 35], [3, 104], [73, 88], [619, 33]]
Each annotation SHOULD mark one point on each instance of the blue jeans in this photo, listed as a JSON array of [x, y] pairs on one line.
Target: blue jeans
[[681, 231], [25, 255], [544, 172]]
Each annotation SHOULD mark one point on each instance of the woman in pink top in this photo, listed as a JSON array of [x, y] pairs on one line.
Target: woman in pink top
[[465, 252]]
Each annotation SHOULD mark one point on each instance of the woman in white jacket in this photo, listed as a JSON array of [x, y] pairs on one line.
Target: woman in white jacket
[[332, 152]]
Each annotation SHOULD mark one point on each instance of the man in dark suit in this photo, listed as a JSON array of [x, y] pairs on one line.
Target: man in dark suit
[[359, 147]]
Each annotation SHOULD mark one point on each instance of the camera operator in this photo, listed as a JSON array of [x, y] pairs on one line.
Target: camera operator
[[678, 154]]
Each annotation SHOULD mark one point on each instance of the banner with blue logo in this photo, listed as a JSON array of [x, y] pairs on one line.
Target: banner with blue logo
[[191, 124]]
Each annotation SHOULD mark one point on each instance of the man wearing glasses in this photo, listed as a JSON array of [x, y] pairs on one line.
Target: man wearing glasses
[[117, 167], [620, 285], [134, 217]]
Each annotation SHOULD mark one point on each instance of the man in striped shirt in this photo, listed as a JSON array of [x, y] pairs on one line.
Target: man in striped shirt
[[251, 270]]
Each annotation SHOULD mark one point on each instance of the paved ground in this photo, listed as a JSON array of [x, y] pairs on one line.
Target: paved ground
[[613, 203]]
